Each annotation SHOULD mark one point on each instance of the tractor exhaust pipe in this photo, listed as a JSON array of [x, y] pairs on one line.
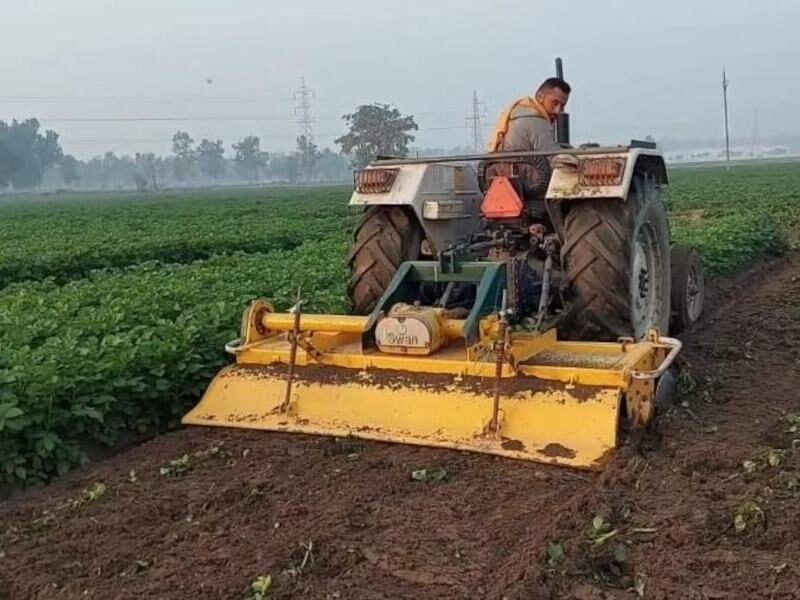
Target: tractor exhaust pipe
[[562, 121]]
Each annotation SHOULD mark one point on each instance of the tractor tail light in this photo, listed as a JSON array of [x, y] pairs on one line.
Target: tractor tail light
[[375, 181], [601, 171]]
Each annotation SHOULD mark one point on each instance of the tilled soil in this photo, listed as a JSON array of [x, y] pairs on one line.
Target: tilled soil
[[344, 519]]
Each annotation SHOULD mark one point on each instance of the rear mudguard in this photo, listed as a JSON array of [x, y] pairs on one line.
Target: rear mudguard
[[445, 198]]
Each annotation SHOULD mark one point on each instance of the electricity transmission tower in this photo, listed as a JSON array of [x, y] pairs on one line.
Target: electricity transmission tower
[[302, 111], [725, 84], [476, 120]]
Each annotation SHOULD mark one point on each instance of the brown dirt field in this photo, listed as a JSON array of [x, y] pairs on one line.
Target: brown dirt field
[[252, 499]]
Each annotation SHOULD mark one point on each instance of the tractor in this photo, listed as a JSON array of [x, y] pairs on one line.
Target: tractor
[[522, 304]]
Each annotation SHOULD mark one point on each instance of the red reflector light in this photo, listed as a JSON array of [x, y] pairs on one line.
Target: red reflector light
[[601, 171], [375, 181], [502, 200]]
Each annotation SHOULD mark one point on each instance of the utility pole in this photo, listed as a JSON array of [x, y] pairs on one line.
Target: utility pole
[[476, 121], [725, 83], [302, 111]]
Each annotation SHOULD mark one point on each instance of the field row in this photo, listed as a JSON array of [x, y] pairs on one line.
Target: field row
[[67, 239], [734, 217], [131, 350]]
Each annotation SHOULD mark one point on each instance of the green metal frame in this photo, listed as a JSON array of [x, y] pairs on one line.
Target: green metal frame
[[489, 277]]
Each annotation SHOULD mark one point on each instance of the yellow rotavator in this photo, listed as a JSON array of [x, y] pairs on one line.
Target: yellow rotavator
[[456, 378]]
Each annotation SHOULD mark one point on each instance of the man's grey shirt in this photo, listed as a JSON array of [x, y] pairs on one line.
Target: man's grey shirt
[[528, 130]]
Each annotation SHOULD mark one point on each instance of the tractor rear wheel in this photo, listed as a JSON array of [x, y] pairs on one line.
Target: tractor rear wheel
[[385, 237], [616, 259]]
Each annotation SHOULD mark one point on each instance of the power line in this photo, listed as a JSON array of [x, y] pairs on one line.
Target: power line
[[116, 141], [211, 119], [325, 135], [157, 119], [447, 128], [192, 99], [147, 99], [165, 100]]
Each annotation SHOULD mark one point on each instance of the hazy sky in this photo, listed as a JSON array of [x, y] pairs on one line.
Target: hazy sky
[[637, 68]]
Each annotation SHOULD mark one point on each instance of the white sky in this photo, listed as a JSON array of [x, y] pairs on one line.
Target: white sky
[[637, 67]]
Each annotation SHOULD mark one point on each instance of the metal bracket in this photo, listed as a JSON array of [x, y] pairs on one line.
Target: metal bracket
[[674, 345], [306, 345]]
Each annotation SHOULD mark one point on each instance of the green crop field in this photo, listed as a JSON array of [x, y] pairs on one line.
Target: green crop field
[[114, 310]]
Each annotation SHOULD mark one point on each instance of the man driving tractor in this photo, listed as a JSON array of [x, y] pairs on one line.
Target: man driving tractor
[[528, 123]]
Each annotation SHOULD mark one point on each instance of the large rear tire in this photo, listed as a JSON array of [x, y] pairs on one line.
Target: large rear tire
[[616, 257], [385, 237]]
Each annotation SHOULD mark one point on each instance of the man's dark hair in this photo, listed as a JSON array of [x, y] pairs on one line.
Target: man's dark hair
[[554, 83]]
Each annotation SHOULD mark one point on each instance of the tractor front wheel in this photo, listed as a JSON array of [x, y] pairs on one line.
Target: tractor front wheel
[[688, 289]]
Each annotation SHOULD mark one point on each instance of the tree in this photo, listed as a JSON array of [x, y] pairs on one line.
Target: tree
[[163, 168], [25, 153], [249, 158], [146, 171], [184, 155], [117, 171], [307, 156], [211, 158], [333, 166], [284, 167], [8, 163], [47, 149], [376, 129], [69, 167]]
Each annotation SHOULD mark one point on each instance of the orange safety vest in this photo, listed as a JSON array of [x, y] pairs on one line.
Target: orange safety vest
[[501, 128]]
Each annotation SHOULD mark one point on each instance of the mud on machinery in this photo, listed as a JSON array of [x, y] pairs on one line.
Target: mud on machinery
[[511, 303]]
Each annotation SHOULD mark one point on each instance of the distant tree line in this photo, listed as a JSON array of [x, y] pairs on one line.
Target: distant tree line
[[31, 158], [206, 162], [26, 153]]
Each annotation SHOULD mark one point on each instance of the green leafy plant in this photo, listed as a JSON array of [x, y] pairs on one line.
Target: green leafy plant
[[430, 475], [260, 587], [97, 491], [746, 515], [177, 467], [601, 530], [639, 584], [40, 238], [772, 458], [793, 422], [686, 384], [302, 559], [130, 350], [554, 553]]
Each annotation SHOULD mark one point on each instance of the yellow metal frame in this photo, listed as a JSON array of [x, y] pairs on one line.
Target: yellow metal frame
[[338, 338], [561, 426], [559, 401], [344, 350]]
